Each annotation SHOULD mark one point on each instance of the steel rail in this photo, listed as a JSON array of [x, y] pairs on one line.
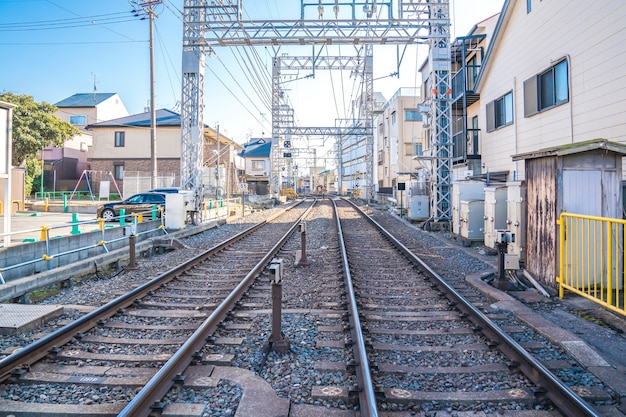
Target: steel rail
[[26, 356], [566, 400], [155, 389], [367, 397]]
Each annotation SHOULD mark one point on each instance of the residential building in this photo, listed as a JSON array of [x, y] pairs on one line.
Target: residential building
[[566, 91], [399, 140], [222, 174], [122, 149], [563, 95], [256, 154], [352, 151], [63, 166], [546, 96]]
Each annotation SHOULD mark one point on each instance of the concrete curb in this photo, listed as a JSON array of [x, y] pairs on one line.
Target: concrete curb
[[574, 345]]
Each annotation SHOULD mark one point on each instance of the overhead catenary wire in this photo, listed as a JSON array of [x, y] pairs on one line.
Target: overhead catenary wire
[[167, 68], [238, 84], [253, 77], [235, 96]]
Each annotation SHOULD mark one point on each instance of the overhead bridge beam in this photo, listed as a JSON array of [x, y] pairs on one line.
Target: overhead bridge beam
[[322, 131], [346, 63], [313, 32]]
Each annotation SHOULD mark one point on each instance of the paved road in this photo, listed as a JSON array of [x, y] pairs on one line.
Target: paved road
[[27, 225]]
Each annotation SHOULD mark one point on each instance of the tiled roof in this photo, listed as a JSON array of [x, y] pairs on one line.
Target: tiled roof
[[258, 149], [84, 100]]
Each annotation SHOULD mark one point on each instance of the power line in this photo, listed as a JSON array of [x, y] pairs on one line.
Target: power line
[[235, 96], [68, 21]]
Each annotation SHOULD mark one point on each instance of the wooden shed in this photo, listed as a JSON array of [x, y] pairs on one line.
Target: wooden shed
[[581, 178]]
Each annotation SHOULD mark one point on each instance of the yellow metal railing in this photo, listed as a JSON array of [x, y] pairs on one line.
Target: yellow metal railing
[[591, 259]]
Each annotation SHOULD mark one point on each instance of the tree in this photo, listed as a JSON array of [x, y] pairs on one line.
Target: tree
[[35, 126]]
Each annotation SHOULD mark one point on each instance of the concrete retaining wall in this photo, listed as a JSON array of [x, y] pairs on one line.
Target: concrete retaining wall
[[69, 266], [114, 238]]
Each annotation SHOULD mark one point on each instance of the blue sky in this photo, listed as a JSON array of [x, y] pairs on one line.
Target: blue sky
[[52, 49]]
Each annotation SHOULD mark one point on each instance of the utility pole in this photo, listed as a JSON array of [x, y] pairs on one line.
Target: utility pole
[[148, 8]]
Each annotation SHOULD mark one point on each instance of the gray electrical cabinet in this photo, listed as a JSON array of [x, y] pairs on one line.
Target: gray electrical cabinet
[[472, 220], [495, 213], [464, 191]]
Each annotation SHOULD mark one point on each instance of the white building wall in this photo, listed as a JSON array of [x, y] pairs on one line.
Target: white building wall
[[593, 40], [111, 108], [136, 143]]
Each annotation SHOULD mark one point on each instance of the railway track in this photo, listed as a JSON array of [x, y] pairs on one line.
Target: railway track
[[426, 354], [123, 357], [427, 343]]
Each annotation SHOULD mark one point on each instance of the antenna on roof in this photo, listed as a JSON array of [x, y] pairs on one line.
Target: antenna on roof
[[95, 89]]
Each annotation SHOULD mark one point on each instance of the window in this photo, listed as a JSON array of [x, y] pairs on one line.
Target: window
[[120, 138], [118, 170], [412, 115], [78, 120], [380, 129], [546, 90], [380, 157], [393, 118], [472, 145], [553, 86], [412, 149], [157, 199], [500, 112], [528, 6], [472, 72], [258, 165]]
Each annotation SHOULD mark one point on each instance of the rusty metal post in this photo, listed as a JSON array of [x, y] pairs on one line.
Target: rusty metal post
[[277, 342], [132, 264], [302, 258]]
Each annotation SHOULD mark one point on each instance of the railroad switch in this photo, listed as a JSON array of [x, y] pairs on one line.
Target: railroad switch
[[277, 341], [503, 238]]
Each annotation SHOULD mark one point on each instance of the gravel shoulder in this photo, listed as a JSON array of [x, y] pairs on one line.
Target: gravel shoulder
[[581, 319]]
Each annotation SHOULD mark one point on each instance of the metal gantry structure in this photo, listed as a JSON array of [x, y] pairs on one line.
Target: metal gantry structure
[[282, 114], [219, 23]]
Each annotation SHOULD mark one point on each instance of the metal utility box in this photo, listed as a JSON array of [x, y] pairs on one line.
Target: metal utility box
[[472, 220], [516, 217], [495, 213], [175, 212], [464, 191], [419, 207]]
